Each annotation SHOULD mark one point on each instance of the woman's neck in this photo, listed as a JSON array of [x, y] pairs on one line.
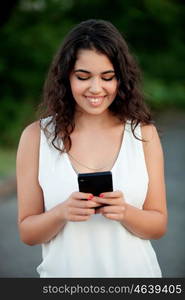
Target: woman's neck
[[86, 121]]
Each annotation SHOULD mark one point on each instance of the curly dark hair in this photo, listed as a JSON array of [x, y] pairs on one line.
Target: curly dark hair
[[58, 102]]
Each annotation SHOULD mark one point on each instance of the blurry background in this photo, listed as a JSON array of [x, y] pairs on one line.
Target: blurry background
[[30, 33]]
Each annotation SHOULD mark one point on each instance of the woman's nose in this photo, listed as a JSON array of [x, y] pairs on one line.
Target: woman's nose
[[95, 86]]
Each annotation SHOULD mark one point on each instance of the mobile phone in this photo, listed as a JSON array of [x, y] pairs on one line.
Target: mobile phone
[[95, 183]]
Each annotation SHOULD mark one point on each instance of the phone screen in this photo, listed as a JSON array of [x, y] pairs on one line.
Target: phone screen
[[95, 183]]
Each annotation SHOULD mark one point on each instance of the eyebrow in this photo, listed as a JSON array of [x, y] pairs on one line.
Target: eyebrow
[[87, 72]]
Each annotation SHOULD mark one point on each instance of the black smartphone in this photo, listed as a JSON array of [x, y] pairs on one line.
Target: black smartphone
[[95, 183]]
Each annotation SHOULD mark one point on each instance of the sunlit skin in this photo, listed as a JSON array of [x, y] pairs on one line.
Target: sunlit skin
[[93, 77]]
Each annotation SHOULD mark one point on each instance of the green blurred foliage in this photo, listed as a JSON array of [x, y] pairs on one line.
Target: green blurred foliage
[[154, 30]]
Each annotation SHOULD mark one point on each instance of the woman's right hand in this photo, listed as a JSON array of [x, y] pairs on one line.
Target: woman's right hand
[[78, 207]]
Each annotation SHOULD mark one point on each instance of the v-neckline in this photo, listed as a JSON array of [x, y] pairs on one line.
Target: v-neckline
[[116, 160]]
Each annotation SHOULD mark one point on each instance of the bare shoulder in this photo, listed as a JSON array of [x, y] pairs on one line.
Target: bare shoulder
[[149, 132], [150, 136], [32, 131], [151, 145], [29, 141]]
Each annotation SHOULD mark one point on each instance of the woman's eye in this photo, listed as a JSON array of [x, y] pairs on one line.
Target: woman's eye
[[86, 78], [108, 79], [82, 78]]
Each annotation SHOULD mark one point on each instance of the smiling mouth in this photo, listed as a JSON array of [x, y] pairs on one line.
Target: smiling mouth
[[95, 100]]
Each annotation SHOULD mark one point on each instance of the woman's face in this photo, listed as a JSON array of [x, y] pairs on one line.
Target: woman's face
[[93, 82]]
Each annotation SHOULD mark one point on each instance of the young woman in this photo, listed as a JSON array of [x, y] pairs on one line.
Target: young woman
[[94, 120]]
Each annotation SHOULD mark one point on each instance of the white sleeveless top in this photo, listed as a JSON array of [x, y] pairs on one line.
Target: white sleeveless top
[[98, 247]]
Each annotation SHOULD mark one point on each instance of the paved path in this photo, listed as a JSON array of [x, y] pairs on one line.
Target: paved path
[[16, 258], [19, 260]]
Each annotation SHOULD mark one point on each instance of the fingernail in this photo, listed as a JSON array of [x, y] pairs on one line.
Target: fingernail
[[101, 195], [90, 197]]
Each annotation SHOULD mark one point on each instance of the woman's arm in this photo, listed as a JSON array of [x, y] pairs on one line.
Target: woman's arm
[[35, 225], [151, 221]]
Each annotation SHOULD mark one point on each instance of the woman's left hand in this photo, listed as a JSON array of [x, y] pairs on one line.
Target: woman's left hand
[[115, 205]]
